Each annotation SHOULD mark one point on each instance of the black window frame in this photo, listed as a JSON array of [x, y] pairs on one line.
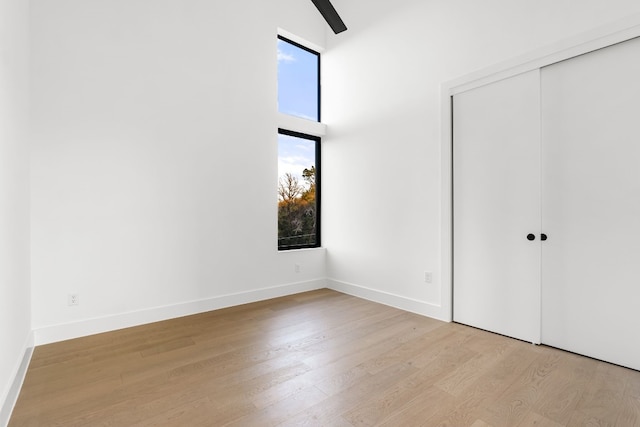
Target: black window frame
[[318, 184]]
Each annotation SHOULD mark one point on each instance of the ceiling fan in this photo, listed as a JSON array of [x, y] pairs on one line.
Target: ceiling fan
[[330, 15]]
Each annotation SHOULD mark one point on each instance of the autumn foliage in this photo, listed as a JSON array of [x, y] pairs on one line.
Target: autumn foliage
[[297, 209]]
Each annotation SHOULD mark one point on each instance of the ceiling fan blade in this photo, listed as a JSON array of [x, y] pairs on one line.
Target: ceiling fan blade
[[330, 15]]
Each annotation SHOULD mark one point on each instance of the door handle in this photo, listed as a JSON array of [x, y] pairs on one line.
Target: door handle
[[543, 237], [531, 236]]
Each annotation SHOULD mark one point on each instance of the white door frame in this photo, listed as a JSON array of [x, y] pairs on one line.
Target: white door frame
[[598, 38]]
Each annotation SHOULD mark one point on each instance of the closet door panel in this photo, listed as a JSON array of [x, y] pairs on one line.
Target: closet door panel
[[591, 204], [496, 143]]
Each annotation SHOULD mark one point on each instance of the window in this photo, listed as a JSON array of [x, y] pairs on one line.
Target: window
[[298, 152], [298, 190], [298, 80]]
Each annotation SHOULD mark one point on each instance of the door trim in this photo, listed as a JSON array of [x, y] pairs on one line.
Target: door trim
[[601, 37]]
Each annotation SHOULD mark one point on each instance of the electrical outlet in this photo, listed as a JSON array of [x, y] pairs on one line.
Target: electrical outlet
[[73, 299], [428, 277], [296, 268]]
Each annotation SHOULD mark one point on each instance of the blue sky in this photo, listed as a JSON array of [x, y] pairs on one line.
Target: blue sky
[[295, 155], [297, 96], [297, 81]]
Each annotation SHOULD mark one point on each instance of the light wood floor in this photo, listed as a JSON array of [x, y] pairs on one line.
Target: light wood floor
[[324, 359]]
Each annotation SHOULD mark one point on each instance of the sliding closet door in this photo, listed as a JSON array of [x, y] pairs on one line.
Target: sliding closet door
[[591, 204], [496, 143]]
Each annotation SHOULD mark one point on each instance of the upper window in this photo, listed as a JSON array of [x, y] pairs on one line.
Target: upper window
[[298, 80]]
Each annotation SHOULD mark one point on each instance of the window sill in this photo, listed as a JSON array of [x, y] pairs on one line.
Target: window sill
[[285, 251], [300, 125]]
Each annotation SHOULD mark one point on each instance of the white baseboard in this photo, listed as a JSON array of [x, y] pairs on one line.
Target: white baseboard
[[7, 405], [408, 304], [61, 332]]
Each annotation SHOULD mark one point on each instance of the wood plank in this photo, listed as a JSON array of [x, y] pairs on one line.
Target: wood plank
[[318, 358]]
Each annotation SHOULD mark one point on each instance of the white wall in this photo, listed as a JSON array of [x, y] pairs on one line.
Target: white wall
[[15, 308], [154, 148], [381, 158], [154, 159]]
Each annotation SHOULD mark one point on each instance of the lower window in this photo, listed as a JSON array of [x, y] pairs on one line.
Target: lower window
[[298, 190]]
